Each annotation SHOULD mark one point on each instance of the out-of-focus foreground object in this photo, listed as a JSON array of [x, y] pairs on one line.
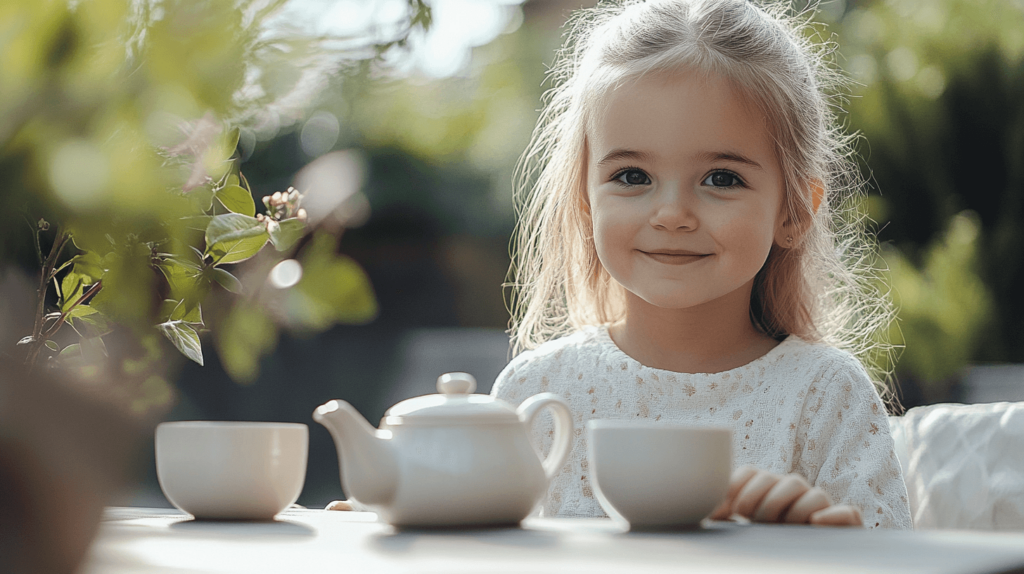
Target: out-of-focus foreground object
[[63, 454], [963, 465]]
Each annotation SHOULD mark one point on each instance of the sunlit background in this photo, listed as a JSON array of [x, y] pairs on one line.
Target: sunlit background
[[416, 143]]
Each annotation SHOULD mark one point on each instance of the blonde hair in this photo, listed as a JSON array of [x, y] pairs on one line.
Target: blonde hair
[[823, 288]]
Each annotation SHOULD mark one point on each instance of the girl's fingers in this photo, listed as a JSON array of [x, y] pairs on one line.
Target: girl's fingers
[[737, 481], [753, 492], [781, 496], [339, 505], [812, 501], [839, 515]]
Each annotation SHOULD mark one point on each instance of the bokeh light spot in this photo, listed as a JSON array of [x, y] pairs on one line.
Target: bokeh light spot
[[286, 274], [931, 82], [319, 134], [902, 63], [863, 68], [79, 172]]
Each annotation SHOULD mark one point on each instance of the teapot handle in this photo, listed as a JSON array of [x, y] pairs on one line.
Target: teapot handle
[[529, 409]]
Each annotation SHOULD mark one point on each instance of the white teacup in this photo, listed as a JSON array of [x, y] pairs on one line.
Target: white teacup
[[231, 470], [657, 476]]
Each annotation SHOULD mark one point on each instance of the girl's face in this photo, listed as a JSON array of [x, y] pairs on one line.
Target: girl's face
[[684, 189]]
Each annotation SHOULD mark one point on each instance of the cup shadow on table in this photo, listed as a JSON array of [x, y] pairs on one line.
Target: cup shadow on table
[[706, 527], [244, 528], [400, 540]]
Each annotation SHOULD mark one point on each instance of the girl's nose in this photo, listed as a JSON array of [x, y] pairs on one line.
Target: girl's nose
[[674, 210]]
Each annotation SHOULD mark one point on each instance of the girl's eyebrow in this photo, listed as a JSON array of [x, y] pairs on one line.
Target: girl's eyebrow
[[728, 156], [628, 154]]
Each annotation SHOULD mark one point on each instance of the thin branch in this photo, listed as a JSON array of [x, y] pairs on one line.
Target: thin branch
[[45, 275], [35, 235], [93, 289]]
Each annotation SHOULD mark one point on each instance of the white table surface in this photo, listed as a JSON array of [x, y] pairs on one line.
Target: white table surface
[[156, 541]]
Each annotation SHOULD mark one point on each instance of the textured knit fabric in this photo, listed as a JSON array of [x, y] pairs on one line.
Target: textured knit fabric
[[802, 408]]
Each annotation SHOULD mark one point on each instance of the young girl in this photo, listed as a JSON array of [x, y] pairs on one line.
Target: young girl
[[686, 253]]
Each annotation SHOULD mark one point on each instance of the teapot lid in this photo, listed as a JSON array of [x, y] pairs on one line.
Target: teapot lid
[[454, 405]]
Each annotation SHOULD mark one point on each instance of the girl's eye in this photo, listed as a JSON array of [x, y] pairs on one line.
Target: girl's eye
[[722, 179], [633, 177]]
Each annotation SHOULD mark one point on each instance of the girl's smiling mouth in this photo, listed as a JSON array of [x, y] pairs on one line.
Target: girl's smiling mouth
[[674, 257]]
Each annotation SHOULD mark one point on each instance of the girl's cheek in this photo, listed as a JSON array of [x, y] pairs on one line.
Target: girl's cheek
[[749, 241]]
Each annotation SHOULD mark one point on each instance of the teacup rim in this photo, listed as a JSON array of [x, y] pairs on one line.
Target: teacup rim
[[208, 424], [626, 424]]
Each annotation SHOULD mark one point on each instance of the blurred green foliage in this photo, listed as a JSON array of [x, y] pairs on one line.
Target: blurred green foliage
[[118, 133], [941, 106], [458, 137], [944, 306]]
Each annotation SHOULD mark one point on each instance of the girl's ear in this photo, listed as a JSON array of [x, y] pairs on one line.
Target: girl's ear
[[785, 234], [789, 232], [817, 189]]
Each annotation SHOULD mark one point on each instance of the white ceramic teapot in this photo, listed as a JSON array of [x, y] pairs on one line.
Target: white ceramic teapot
[[451, 459]]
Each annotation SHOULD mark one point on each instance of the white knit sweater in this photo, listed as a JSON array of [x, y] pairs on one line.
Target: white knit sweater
[[803, 408]]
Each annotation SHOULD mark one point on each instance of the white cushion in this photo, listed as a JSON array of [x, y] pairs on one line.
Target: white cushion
[[963, 465]]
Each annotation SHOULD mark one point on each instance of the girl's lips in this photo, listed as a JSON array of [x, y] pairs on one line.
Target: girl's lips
[[676, 258]]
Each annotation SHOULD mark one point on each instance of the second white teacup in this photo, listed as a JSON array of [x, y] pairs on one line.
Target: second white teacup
[[657, 476], [231, 470]]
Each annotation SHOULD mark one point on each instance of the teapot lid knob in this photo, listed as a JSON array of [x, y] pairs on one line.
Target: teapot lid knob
[[456, 384]]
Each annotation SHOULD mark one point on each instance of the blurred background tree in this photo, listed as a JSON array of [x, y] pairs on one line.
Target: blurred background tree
[[941, 107]]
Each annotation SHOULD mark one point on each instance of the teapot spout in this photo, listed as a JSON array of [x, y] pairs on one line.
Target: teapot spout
[[365, 455]]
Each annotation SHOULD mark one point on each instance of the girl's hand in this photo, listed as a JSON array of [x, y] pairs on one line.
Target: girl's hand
[[762, 496], [339, 505]]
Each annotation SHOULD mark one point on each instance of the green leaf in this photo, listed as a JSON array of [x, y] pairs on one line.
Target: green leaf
[[96, 324], [201, 198], [227, 280], [184, 280], [181, 311], [182, 262], [333, 289], [184, 338], [93, 349], [245, 335], [233, 252], [192, 315], [81, 311], [232, 227], [52, 345], [72, 350], [236, 199], [90, 265], [197, 222], [286, 233], [233, 237], [232, 140], [72, 288]]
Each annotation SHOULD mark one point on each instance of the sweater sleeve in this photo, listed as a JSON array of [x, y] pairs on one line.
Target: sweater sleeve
[[844, 446], [512, 386], [518, 382]]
